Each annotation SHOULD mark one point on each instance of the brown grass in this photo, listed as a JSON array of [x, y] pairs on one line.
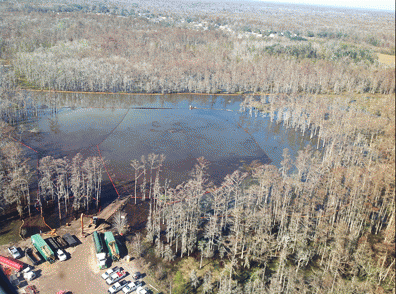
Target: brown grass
[[386, 59]]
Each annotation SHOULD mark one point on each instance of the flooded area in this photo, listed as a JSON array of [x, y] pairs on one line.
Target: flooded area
[[121, 128], [182, 127]]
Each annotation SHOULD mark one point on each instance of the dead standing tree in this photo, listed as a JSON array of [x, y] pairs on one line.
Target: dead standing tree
[[86, 180], [54, 180], [97, 166], [139, 171], [120, 222], [143, 185], [152, 159]]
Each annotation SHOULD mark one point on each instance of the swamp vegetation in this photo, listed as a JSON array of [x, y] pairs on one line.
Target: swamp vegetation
[[320, 222]]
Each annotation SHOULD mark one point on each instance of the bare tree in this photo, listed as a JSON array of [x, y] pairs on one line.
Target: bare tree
[[152, 159], [207, 283], [138, 167], [120, 222], [194, 279]]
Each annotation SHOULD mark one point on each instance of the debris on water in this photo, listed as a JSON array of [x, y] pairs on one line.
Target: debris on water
[[35, 130]]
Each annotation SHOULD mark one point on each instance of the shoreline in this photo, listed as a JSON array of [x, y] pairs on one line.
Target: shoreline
[[146, 94], [74, 228]]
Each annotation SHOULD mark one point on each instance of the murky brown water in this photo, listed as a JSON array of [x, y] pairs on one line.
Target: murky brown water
[[126, 127]]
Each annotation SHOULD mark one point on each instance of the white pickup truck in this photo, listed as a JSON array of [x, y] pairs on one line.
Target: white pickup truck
[[117, 287], [132, 287], [14, 252], [115, 277], [110, 271]]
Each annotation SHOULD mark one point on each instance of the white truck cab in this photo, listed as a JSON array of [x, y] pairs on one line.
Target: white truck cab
[[101, 260], [61, 255]]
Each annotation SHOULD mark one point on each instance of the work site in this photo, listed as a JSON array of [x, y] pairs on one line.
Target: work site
[[197, 147], [78, 256]]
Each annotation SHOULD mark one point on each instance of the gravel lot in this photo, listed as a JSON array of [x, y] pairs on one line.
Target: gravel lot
[[79, 274]]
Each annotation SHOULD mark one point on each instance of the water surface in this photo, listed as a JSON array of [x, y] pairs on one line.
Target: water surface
[[182, 127]]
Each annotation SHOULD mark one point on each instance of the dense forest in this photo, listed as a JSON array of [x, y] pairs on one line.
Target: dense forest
[[98, 49], [323, 222]]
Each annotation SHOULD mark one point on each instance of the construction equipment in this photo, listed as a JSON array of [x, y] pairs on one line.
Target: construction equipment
[[43, 248], [52, 232], [112, 246]]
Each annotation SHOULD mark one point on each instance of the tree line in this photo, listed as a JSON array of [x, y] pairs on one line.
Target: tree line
[[195, 72], [89, 52], [265, 19], [76, 182], [15, 173]]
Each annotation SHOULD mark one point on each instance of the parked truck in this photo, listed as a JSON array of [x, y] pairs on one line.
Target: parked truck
[[28, 274], [32, 257], [100, 251], [43, 248], [112, 246]]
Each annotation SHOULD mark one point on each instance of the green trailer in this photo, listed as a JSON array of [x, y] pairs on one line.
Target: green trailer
[[98, 243], [112, 246], [100, 251], [43, 248]]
